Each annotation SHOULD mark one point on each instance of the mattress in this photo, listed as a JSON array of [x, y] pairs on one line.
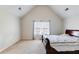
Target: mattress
[[64, 38]]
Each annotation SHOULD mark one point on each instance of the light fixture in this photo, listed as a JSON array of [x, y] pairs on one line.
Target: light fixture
[[66, 9], [19, 8]]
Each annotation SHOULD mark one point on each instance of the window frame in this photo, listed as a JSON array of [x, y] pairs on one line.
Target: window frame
[[42, 21]]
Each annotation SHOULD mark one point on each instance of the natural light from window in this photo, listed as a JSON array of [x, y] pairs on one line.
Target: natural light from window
[[41, 28]]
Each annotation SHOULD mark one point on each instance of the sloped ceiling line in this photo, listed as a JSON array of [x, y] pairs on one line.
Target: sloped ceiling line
[[58, 9]]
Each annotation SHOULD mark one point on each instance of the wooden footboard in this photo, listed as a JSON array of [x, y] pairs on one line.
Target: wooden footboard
[[51, 50]]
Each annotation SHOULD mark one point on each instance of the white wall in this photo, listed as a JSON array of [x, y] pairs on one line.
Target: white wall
[[40, 13], [72, 23], [9, 30]]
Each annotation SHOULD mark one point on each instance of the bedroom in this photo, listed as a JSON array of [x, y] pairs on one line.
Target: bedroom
[[20, 25]]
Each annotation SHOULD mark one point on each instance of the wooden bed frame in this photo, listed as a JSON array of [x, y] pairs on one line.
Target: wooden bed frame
[[70, 32], [51, 50]]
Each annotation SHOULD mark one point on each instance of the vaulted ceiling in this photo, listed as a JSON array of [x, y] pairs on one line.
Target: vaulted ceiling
[[17, 10], [64, 11]]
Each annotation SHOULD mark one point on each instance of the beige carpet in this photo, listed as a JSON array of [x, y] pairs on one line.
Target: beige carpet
[[26, 47]]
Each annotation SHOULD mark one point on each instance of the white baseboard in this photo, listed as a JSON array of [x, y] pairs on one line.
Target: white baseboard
[[26, 39], [2, 49]]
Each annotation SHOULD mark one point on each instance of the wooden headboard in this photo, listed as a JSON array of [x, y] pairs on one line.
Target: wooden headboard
[[70, 32]]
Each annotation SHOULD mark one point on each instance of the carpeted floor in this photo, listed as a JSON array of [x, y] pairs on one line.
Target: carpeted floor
[[26, 47]]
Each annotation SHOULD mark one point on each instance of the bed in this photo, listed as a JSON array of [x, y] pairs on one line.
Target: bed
[[71, 37], [64, 42]]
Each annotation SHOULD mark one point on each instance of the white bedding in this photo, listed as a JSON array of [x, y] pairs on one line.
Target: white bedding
[[62, 38]]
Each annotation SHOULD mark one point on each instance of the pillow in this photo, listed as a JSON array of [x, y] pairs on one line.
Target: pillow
[[65, 34], [75, 33]]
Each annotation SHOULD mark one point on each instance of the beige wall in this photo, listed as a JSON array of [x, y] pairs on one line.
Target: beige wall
[[72, 23], [40, 13], [9, 30]]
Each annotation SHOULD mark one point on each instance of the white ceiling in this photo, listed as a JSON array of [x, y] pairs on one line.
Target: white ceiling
[[58, 9], [13, 9]]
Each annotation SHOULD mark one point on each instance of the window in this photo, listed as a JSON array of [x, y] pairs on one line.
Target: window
[[41, 28]]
